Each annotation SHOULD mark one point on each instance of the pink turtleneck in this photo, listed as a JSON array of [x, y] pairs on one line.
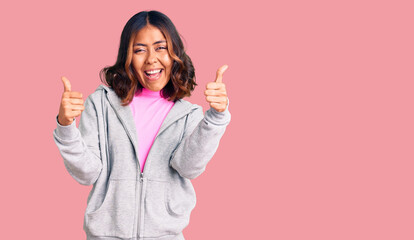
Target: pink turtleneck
[[149, 110]]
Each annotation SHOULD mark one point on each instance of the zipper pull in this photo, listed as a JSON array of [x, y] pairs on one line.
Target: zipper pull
[[141, 177]]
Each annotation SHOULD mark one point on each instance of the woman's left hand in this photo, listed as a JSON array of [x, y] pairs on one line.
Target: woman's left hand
[[216, 94]]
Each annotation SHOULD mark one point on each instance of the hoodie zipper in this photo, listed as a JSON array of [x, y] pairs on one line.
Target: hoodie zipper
[[141, 180]]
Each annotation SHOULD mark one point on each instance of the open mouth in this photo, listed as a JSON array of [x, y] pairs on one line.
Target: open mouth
[[153, 74]]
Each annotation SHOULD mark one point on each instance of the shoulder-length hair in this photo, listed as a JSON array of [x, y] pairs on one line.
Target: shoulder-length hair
[[122, 77]]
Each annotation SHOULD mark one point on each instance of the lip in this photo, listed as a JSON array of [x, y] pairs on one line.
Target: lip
[[152, 69], [156, 77]]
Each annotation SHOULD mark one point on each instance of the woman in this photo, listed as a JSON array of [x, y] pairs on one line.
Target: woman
[[138, 142]]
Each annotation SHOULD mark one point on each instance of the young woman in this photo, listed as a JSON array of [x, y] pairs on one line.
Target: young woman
[[138, 142]]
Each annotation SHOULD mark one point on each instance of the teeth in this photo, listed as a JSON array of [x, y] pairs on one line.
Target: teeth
[[153, 71]]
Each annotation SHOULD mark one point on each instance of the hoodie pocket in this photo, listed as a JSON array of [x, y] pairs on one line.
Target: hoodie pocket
[[115, 217], [167, 208]]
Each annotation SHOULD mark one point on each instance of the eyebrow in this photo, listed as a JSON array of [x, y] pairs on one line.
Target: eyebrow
[[157, 42]]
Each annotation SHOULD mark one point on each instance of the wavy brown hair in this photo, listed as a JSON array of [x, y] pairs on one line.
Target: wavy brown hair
[[122, 77]]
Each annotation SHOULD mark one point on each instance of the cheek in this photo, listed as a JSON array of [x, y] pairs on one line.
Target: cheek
[[167, 62], [136, 64]]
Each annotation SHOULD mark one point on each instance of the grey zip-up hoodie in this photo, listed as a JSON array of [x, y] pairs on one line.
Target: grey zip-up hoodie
[[123, 203]]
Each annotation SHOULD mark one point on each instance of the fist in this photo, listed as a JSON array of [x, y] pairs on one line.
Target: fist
[[71, 104], [216, 94]]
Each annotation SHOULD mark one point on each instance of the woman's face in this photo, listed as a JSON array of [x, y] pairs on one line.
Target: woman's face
[[150, 58]]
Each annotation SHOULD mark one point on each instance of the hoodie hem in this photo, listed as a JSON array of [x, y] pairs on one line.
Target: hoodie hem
[[168, 237]]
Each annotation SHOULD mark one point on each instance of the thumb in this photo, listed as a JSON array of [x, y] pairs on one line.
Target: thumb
[[219, 74], [66, 84]]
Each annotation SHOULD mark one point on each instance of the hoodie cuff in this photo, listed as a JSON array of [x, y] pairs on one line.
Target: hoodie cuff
[[218, 118], [67, 132]]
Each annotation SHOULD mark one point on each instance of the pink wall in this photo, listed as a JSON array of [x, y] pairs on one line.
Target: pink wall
[[321, 141]]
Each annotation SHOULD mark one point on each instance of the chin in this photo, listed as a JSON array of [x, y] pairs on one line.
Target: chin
[[155, 89]]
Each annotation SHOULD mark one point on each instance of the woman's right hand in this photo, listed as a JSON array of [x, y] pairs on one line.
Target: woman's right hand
[[71, 104]]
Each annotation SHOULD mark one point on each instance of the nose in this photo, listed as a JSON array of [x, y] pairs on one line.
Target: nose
[[151, 57]]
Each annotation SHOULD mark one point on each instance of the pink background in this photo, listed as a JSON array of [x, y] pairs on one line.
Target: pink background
[[321, 140]]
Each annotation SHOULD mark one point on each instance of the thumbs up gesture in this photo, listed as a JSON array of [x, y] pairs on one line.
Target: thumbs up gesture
[[71, 104], [216, 94]]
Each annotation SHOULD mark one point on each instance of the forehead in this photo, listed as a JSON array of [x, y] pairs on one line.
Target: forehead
[[148, 35]]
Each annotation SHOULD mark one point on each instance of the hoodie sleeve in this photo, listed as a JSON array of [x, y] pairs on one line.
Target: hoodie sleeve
[[200, 141], [80, 147]]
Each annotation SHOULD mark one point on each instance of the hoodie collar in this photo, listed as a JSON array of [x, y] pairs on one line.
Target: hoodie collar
[[124, 113]]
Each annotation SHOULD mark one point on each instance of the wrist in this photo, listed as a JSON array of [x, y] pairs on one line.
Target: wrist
[[64, 122]]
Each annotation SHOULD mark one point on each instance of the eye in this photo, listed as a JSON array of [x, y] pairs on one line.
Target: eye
[[161, 48], [138, 50]]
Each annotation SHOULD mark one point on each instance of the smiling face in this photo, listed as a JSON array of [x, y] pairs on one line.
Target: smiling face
[[150, 58]]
